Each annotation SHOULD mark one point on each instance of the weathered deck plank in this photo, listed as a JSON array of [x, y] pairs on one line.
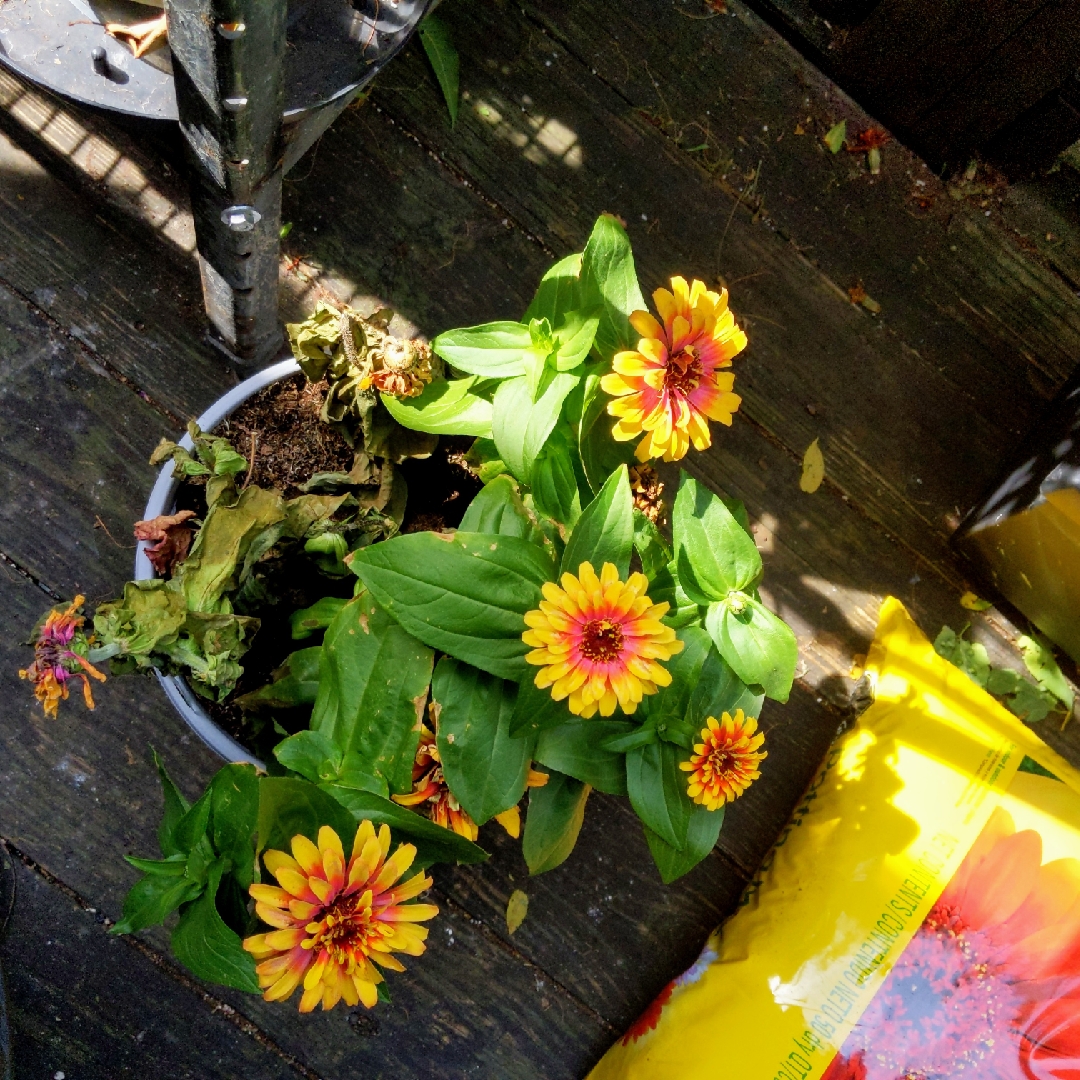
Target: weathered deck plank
[[932, 416], [133, 308], [456, 228], [78, 1004]]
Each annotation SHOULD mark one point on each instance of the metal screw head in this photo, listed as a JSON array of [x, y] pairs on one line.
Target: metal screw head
[[240, 218], [231, 30]]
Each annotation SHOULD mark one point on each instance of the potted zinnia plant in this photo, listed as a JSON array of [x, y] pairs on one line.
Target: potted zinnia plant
[[563, 633]]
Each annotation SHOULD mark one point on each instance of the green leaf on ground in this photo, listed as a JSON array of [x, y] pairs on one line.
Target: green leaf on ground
[[516, 910], [443, 57], [969, 656], [1039, 660]]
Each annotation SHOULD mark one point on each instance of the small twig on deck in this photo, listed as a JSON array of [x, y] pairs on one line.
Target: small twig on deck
[[99, 524], [251, 460], [750, 190], [747, 277]]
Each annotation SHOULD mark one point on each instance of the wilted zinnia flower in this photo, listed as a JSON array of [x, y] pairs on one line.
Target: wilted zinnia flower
[[431, 795], [597, 641], [670, 387], [333, 918], [725, 763], [55, 661]]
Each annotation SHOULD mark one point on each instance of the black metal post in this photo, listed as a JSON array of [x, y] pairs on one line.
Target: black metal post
[[229, 63]]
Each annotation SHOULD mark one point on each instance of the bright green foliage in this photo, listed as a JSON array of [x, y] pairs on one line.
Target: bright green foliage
[[485, 768], [605, 531], [465, 594], [1029, 702], [372, 690], [1039, 660], [556, 812], [542, 375]]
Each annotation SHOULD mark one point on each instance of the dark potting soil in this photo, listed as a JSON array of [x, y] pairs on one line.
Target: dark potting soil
[[279, 431], [291, 444]]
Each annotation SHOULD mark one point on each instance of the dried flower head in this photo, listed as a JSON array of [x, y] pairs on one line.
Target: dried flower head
[[598, 641], [333, 917], [171, 538], [671, 386], [647, 489], [58, 657]]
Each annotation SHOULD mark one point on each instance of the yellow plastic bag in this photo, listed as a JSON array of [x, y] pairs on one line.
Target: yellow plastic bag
[[918, 919]]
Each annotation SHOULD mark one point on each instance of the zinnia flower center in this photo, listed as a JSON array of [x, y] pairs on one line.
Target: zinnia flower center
[[683, 372], [601, 640], [344, 926], [722, 761]]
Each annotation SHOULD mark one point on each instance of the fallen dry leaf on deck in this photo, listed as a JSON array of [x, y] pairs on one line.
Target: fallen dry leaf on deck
[[858, 296], [813, 468], [970, 601], [516, 910], [872, 138], [140, 38]]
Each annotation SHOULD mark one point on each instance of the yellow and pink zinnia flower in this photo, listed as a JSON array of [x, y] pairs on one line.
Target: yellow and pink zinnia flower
[[598, 641], [333, 917], [671, 386], [725, 763]]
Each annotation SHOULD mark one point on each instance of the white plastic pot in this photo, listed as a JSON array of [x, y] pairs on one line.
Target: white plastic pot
[[162, 501]]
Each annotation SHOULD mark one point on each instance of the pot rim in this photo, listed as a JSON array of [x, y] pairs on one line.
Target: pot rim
[[161, 501]]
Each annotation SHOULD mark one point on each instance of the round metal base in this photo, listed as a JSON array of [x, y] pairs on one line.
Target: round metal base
[[335, 46]]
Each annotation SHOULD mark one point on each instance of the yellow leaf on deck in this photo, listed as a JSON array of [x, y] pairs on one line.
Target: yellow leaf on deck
[[813, 468], [973, 603], [834, 137], [516, 910]]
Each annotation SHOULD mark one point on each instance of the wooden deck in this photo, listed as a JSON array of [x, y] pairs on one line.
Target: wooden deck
[[686, 124]]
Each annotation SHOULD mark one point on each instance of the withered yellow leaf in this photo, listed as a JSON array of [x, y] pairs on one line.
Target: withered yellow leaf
[[970, 601], [516, 910], [813, 468]]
